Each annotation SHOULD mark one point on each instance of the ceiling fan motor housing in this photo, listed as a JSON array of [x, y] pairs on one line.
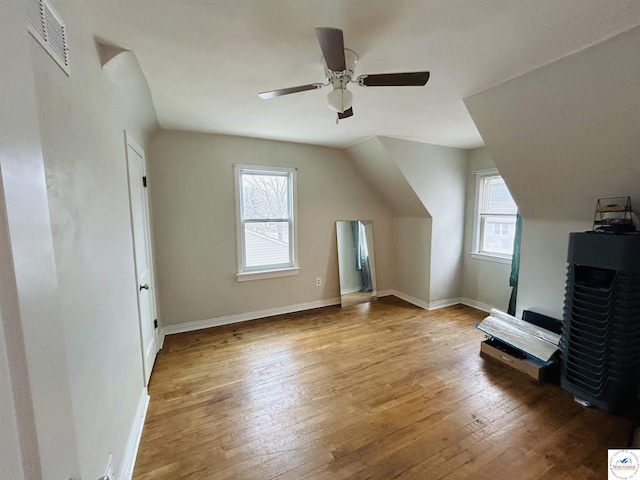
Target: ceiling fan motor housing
[[341, 99], [341, 79], [340, 65]]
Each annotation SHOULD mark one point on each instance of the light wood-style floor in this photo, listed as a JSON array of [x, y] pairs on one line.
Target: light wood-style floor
[[379, 390]]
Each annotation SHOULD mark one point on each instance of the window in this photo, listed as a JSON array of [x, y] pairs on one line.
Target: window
[[495, 224], [265, 208], [501, 229]]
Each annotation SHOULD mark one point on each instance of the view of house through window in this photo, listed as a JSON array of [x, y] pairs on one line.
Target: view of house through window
[[265, 218], [496, 218]]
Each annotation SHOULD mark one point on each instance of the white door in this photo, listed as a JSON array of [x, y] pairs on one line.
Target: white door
[[142, 253]]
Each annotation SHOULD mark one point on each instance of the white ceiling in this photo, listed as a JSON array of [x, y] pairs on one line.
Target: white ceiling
[[206, 60]]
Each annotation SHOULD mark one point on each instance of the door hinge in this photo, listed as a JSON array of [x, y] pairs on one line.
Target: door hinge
[[155, 323], [144, 181]]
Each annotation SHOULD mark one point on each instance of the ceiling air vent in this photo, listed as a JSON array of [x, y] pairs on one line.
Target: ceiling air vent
[[48, 29]]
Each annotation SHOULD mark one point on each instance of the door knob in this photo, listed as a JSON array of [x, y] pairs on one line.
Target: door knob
[[144, 287]]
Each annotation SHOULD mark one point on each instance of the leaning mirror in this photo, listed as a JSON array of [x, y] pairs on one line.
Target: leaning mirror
[[356, 263]]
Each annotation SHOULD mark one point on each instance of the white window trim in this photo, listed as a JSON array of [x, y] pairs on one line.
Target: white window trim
[[476, 253], [262, 274], [492, 257], [244, 274]]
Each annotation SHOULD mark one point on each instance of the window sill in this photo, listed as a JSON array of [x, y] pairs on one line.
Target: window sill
[[262, 274], [491, 258]]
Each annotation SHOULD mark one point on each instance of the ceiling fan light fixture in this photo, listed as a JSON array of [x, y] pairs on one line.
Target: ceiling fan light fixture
[[339, 69], [340, 99]]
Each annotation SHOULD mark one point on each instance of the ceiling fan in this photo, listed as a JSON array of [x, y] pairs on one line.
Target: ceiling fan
[[340, 64]]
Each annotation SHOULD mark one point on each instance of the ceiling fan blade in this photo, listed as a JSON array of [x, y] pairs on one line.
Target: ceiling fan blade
[[409, 79], [332, 45], [346, 114], [287, 91]]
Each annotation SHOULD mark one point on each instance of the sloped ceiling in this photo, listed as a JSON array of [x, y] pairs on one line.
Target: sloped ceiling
[[567, 133], [206, 60], [375, 165]]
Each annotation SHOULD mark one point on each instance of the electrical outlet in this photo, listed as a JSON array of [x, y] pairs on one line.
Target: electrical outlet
[[318, 281]]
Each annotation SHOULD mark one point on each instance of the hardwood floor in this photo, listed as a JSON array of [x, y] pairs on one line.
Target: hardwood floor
[[378, 390]]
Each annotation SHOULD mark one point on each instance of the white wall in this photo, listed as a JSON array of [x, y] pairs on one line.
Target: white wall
[[412, 258], [563, 136], [566, 134], [35, 397], [193, 193], [411, 219], [10, 451], [437, 175], [483, 281], [543, 264], [374, 163], [82, 121], [420, 181]]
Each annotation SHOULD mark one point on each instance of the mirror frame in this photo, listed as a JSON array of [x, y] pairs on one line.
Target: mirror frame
[[357, 275]]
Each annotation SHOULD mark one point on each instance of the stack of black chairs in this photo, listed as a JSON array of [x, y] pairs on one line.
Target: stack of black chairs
[[600, 342]]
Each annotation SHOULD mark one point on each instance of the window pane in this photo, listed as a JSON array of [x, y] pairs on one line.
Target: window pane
[[497, 198], [265, 196], [266, 243], [265, 216], [497, 234]]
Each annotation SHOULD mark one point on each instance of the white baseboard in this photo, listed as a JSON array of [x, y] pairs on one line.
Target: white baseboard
[[475, 304], [243, 317], [411, 299], [270, 312], [447, 302], [422, 303], [384, 293], [126, 471]]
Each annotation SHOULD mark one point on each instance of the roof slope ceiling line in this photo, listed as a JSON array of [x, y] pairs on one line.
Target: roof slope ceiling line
[[437, 175], [380, 172], [205, 61], [568, 129], [432, 172], [550, 61]]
